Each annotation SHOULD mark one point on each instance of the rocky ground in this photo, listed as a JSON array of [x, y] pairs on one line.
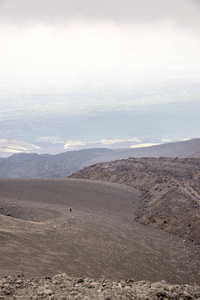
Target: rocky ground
[[170, 190], [62, 286], [87, 229]]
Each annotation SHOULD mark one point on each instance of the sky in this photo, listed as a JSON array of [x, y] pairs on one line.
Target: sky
[[80, 56]]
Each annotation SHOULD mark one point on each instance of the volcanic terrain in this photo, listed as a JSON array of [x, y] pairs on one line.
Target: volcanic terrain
[[86, 228], [170, 190]]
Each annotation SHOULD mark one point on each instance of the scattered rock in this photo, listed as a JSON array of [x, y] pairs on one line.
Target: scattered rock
[[88, 289]]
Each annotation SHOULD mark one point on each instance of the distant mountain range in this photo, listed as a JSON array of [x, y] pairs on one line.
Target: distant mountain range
[[25, 165]]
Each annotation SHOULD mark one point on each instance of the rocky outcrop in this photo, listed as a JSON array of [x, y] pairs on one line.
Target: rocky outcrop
[[62, 287]]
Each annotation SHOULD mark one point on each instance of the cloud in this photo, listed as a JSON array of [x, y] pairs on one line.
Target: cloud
[[182, 12], [144, 145], [166, 140], [110, 142], [14, 146], [77, 144], [92, 46], [72, 143]]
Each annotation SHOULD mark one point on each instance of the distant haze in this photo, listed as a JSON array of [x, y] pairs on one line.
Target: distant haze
[[76, 73]]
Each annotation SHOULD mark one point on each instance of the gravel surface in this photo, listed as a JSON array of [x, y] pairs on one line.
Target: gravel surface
[[97, 239], [62, 287]]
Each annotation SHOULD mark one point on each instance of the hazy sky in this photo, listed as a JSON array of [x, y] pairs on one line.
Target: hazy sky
[[90, 46], [102, 60]]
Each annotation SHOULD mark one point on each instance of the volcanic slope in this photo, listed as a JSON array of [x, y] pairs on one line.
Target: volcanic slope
[[169, 188], [40, 236]]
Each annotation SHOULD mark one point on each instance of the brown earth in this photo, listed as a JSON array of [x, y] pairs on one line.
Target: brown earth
[[170, 191], [98, 238]]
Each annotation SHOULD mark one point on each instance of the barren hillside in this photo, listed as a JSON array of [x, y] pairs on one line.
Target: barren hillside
[[170, 189], [97, 238]]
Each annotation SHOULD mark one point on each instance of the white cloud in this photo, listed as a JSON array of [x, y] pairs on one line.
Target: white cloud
[[110, 142], [50, 139], [93, 58], [186, 139], [181, 12], [14, 146], [144, 145], [98, 48], [166, 140], [72, 143]]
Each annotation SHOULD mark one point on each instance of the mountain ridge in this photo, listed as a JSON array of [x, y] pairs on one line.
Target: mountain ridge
[[30, 165]]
